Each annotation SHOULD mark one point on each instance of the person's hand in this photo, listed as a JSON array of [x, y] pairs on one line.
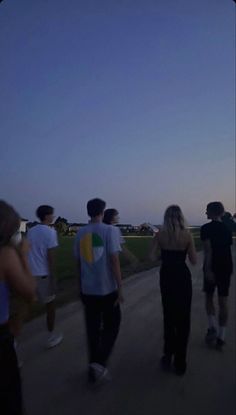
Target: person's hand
[[120, 298]]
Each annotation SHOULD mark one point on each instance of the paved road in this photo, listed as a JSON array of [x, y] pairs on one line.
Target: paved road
[[55, 380]]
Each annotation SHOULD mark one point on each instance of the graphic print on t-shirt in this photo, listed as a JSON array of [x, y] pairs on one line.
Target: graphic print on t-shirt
[[91, 247]]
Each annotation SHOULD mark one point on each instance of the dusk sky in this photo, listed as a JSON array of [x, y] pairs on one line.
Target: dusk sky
[[128, 100]]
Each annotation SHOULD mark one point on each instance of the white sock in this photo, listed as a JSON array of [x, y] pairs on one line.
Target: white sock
[[212, 321], [222, 332]]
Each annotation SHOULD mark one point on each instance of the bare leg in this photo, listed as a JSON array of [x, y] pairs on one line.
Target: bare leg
[[223, 318], [212, 323]]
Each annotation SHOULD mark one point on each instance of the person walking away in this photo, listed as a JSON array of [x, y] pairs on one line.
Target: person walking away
[[217, 269], [14, 275], [175, 243], [97, 249], [43, 243]]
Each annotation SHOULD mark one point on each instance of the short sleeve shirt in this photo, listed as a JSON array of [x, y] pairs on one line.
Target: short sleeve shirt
[[94, 243], [41, 238], [221, 240]]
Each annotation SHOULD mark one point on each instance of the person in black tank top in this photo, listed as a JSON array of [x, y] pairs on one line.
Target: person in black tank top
[[175, 243], [217, 269]]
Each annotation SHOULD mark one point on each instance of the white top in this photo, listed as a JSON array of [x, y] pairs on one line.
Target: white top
[[41, 238]]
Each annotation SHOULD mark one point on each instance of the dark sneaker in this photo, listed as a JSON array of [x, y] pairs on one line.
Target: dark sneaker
[[180, 367], [166, 363], [210, 337], [98, 374], [220, 344]]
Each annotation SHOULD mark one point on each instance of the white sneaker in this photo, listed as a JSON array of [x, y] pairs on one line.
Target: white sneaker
[[54, 339]]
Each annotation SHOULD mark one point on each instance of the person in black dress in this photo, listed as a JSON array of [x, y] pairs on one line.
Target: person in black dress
[[175, 243], [218, 267]]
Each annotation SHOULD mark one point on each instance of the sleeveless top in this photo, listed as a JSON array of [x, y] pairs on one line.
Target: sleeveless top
[[4, 302], [173, 258], [174, 270]]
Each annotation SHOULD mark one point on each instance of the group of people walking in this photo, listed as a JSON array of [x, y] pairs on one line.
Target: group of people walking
[[27, 272]]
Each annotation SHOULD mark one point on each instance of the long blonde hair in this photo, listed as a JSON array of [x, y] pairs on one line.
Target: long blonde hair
[[174, 221]]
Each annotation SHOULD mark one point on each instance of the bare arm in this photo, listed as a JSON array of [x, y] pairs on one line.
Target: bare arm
[[115, 266], [51, 261], [18, 274], [22, 250], [208, 259], [192, 254], [207, 255], [51, 266]]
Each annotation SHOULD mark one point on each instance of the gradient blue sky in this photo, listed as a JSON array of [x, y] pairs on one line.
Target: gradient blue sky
[[131, 101]]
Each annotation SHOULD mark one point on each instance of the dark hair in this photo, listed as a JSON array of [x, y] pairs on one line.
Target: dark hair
[[95, 207], [9, 222], [43, 211], [215, 208], [109, 215]]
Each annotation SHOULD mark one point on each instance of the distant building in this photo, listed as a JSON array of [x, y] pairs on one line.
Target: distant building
[[127, 228], [148, 229]]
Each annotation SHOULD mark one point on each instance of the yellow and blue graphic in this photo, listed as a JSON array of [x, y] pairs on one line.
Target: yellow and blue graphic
[[91, 247]]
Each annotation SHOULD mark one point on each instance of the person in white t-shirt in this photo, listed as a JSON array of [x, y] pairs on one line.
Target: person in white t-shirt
[[96, 249], [43, 243]]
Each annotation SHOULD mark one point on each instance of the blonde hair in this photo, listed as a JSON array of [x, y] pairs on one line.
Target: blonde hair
[[174, 221]]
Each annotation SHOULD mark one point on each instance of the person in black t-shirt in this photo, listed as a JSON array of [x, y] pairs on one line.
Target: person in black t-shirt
[[217, 268]]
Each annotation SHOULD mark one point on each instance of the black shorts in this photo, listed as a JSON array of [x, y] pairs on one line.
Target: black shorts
[[222, 283]]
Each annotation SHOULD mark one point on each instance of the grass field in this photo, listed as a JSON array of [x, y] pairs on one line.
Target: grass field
[[66, 263], [139, 246]]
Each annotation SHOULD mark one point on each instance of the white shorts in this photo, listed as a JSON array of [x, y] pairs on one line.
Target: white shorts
[[45, 289]]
